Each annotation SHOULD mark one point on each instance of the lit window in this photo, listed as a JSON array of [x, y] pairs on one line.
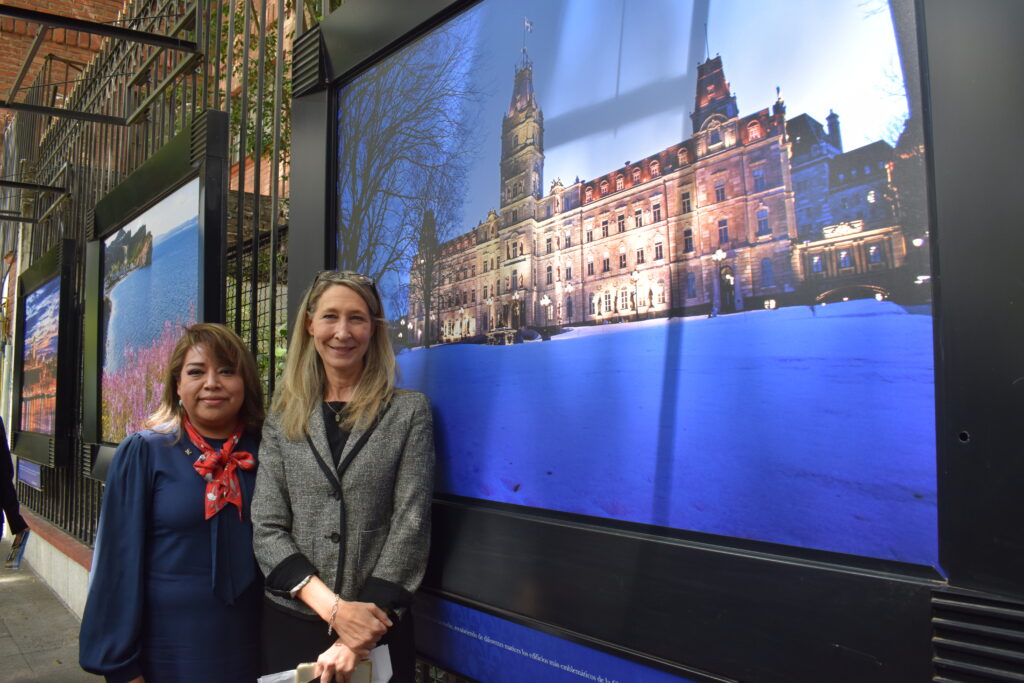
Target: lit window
[[754, 130], [723, 231], [874, 254], [844, 259], [817, 266], [661, 291], [720, 191], [767, 273], [691, 286], [762, 222], [686, 206], [659, 251], [638, 218], [607, 302], [623, 300]]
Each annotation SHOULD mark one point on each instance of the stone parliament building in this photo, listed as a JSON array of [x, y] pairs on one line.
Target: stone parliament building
[[752, 211]]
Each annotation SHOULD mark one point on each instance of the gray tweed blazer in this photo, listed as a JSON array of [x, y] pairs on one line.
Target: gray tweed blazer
[[370, 542]]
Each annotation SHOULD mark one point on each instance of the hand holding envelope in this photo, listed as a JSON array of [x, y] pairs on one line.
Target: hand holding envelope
[[376, 669]]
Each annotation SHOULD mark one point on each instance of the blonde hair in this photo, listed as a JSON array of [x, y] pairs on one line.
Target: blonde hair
[[303, 381], [225, 348]]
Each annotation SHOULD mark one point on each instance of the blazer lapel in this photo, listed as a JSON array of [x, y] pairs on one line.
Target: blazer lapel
[[354, 437], [318, 435]]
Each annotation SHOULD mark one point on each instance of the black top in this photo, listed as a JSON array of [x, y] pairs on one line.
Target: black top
[[336, 436]]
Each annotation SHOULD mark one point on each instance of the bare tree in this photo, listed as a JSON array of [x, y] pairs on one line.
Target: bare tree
[[404, 137]]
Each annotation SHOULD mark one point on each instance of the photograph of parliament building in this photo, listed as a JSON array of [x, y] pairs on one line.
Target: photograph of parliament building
[[752, 211]]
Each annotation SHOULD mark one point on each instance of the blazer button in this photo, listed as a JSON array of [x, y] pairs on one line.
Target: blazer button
[[335, 537]]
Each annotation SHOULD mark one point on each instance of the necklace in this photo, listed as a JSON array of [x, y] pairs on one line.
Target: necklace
[[337, 413]]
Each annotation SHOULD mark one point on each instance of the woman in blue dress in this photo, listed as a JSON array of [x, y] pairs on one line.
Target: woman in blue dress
[[175, 590]]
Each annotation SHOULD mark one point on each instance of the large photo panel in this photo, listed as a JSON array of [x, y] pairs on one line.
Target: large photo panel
[[657, 267], [39, 358], [150, 291]]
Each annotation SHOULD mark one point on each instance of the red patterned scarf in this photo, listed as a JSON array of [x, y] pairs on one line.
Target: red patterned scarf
[[218, 468]]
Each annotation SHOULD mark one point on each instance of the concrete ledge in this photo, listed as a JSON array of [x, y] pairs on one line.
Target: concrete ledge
[[61, 561]]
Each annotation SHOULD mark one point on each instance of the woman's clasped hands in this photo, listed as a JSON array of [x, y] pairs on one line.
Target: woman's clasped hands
[[359, 625]]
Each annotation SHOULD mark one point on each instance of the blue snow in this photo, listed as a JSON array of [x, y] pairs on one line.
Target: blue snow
[[812, 428]]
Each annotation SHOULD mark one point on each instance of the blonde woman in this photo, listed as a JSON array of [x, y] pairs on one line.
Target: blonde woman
[[342, 509], [175, 592]]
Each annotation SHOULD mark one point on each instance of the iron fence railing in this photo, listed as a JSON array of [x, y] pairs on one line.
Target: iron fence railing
[[242, 67]]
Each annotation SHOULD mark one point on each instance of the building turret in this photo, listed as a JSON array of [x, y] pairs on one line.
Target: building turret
[[834, 136], [522, 148], [713, 94]]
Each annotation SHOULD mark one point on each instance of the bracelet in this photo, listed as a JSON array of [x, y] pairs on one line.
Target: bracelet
[[334, 613]]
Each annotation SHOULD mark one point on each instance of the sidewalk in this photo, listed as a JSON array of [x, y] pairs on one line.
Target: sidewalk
[[38, 634]]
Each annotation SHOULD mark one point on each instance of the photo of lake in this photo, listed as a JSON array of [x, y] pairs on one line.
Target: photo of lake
[[150, 290], [39, 360]]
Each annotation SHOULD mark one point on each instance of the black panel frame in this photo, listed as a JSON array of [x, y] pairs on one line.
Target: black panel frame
[[200, 151], [52, 450], [713, 608]]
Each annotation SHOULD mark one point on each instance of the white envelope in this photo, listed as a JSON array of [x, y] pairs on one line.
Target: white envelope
[[376, 669]]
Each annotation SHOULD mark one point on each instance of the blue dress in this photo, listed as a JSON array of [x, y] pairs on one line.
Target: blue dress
[[174, 597]]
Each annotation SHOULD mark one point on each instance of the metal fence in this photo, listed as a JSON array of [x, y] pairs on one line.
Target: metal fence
[[137, 97]]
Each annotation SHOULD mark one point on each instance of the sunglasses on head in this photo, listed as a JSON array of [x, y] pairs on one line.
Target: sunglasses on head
[[346, 275]]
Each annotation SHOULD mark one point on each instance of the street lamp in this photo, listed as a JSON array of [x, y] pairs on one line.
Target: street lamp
[[717, 257], [545, 301], [635, 277]]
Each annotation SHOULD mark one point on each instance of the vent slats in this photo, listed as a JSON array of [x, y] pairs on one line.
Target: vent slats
[[976, 638], [307, 65]]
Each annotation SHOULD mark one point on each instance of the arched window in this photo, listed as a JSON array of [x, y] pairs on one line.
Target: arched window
[[655, 169], [636, 175], [684, 156], [588, 194], [620, 182], [604, 187], [714, 135], [754, 130]]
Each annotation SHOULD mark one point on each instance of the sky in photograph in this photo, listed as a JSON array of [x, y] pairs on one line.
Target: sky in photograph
[[41, 316], [169, 213], [615, 79]]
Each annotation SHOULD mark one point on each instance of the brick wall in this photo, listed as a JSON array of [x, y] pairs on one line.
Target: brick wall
[[16, 37]]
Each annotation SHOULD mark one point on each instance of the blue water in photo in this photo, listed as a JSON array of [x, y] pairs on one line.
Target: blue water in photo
[[800, 427], [146, 298]]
